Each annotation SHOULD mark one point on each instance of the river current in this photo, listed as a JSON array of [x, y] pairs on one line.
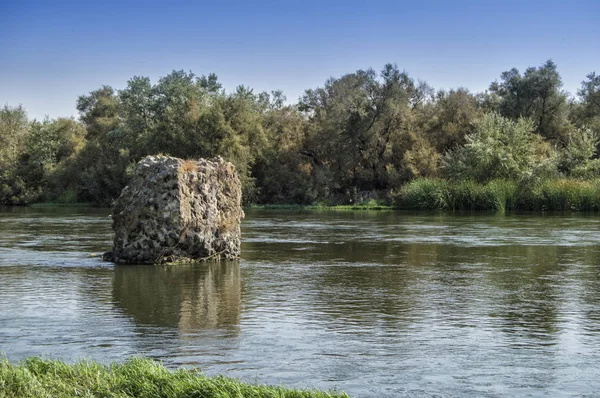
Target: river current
[[378, 304]]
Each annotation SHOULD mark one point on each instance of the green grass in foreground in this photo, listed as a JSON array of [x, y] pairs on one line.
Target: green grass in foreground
[[138, 377]]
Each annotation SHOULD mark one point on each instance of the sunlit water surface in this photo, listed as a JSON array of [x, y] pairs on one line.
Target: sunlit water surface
[[378, 304]]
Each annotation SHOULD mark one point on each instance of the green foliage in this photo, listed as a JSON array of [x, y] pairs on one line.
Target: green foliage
[[536, 95], [564, 195], [450, 119], [138, 377], [31, 152], [283, 174], [344, 143], [499, 148], [424, 194], [590, 95], [362, 132], [14, 130], [500, 195], [68, 196], [469, 195], [438, 194], [50, 142], [577, 158], [14, 190], [43, 144], [99, 111]]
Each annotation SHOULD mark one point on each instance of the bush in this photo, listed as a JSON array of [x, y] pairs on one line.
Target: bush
[[576, 159], [15, 191], [500, 148]]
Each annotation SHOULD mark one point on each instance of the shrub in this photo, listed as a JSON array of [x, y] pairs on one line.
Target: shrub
[[500, 148], [577, 157]]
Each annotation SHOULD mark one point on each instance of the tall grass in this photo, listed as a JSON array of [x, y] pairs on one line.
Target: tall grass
[[565, 195], [370, 204], [503, 195], [425, 194], [38, 378], [437, 194], [500, 195]]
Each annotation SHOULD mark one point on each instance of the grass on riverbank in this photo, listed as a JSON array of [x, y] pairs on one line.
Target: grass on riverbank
[[138, 377], [368, 205], [53, 204], [500, 195], [437, 194]]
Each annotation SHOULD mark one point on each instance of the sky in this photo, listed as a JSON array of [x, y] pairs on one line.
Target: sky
[[53, 51]]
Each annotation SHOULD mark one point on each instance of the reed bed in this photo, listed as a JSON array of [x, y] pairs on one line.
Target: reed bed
[[500, 195]]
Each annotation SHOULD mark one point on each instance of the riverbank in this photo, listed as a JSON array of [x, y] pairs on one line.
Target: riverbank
[[58, 204], [555, 195], [138, 377], [433, 194], [361, 206], [498, 196]]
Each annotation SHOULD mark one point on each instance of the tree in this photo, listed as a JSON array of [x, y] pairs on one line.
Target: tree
[[51, 144], [450, 118], [360, 128], [283, 174], [100, 167], [210, 83], [340, 135], [137, 112], [14, 129], [181, 105], [99, 111], [590, 95], [537, 95]]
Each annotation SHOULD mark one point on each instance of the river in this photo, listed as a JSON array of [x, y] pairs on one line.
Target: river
[[378, 304]]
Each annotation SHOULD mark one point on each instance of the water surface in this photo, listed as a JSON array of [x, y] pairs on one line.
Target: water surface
[[375, 303]]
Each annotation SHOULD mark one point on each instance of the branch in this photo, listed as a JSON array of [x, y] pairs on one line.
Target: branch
[[312, 156]]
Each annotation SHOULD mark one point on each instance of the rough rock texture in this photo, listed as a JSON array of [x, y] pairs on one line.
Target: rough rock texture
[[178, 210]]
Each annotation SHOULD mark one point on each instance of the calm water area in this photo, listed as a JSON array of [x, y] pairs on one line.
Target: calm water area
[[378, 304]]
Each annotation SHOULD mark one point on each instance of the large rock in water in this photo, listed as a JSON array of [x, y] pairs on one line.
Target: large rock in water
[[178, 210]]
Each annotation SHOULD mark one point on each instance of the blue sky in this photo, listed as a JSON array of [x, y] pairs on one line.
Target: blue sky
[[53, 51]]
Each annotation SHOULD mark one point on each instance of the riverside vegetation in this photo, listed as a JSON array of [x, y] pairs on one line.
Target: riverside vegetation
[[138, 377], [363, 140]]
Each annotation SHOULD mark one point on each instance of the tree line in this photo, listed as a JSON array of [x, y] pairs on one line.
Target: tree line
[[359, 137]]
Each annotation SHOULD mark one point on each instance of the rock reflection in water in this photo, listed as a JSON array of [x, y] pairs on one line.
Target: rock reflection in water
[[189, 297]]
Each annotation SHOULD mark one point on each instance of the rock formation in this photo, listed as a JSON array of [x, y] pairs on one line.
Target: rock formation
[[178, 210]]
